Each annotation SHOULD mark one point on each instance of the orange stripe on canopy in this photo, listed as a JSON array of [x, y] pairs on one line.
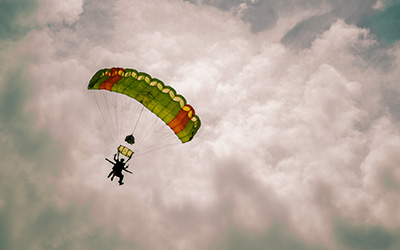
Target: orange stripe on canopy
[[181, 119], [115, 76]]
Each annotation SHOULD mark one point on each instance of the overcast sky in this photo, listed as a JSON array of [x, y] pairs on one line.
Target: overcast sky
[[299, 146]]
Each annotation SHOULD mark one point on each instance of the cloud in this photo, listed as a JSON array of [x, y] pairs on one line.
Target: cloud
[[293, 142], [66, 12], [31, 217], [313, 17], [365, 237]]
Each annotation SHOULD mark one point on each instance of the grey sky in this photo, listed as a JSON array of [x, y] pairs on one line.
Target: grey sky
[[299, 142]]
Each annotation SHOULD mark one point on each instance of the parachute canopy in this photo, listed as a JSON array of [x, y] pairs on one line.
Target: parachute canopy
[[160, 99]]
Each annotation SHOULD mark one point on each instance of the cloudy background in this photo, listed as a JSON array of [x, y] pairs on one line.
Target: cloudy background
[[299, 146]]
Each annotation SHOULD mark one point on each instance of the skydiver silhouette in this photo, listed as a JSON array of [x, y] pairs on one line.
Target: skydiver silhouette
[[119, 165]]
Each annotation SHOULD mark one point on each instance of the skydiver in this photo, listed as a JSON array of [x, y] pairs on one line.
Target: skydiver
[[119, 165]]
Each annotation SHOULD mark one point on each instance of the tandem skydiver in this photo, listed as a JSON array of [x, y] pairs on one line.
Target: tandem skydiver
[[119, 165]]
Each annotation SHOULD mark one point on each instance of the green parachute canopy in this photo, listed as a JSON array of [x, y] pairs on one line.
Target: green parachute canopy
[[152, 94]]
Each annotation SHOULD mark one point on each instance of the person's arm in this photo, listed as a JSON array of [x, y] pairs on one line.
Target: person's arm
[[128, 171], [110, 161]]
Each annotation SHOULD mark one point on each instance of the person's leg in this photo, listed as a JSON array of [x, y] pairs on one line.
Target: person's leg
[[110, 174], [121, 177]]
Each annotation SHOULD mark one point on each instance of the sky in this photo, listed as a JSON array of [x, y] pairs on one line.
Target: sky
[[299, 144]]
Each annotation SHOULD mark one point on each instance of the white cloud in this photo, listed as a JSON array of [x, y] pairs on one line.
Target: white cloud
[[294, 138], [379, 5], [381, 174], [67, 11]]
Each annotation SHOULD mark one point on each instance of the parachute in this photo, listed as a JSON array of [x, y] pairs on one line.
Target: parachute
[[142, 111]]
